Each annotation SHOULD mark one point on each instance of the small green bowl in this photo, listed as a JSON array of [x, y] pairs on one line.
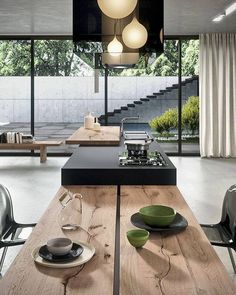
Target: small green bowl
[[157, 215], [137, 237]]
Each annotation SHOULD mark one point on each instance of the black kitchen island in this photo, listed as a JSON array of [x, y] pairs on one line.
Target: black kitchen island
[[100, 166]]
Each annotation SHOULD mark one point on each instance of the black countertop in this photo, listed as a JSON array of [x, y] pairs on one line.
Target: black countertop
[[100, 166]]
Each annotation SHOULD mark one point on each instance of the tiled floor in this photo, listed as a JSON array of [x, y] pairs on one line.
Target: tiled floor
[[202, 182]]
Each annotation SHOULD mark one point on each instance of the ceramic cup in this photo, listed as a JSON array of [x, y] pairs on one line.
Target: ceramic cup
[[59, 246], [137, 237]]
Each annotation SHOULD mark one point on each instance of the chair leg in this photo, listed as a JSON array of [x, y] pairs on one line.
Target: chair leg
[[3, 258], [232, 259], [5, 252]]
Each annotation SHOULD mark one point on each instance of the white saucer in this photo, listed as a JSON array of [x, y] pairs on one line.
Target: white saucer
[[87, 254]]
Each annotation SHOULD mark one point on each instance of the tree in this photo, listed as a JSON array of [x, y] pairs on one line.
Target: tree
[[167, 63], [190, 57], [15, 58], [58, 58], [190, 114], [52, 57]]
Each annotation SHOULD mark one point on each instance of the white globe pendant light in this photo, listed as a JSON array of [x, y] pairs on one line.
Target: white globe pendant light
[[134, 34], [117, 8], [115, 48]]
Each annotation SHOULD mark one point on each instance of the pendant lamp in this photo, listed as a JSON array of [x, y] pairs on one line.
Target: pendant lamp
[[134, 34], [117, 8], [115, 47]]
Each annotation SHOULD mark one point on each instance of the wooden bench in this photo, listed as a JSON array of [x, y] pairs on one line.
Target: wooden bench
[[36, 145]]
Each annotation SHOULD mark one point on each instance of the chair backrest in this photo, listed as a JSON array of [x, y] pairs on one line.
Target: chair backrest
[[228, 218], [6, 210]]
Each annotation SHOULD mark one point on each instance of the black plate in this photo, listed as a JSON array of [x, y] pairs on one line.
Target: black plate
[[74, 253], [178, 223]]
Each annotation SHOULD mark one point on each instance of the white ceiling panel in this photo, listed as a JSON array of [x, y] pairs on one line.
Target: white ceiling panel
[[54, 17], [192, 17]]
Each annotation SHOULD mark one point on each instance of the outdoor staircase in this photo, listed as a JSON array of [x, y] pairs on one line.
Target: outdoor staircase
[[155, 104]]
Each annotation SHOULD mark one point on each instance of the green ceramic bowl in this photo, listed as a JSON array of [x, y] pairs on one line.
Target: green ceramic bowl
[[157, 215], [137, 237]]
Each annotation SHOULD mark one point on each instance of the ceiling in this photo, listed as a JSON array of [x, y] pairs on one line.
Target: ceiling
[[54, 17]]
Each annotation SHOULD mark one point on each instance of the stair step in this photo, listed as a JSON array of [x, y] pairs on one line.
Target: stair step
[[110, 113], [158, 93], [172, 87], [191, 79]]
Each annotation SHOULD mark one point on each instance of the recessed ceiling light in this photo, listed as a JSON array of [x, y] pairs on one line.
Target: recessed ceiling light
[[219, 18], [230, 9]]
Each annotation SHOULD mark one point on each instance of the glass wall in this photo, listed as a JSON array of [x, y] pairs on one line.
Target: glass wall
[[64, 92], [15, 89], [164, 107], [149, 91], [190, 96]]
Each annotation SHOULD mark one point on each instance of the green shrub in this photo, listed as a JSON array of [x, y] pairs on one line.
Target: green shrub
[[165, 122], [190, 114], [169, 120]]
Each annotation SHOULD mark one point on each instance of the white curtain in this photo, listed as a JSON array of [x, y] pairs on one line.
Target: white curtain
[[218, 95]]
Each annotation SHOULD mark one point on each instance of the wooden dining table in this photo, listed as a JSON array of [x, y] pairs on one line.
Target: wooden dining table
[[171, 262]]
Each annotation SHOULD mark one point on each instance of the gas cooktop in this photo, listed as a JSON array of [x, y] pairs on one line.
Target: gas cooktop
[[144, 158]]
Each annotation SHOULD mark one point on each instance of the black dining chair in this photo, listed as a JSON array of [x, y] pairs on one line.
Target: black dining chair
[[10, 231], [223, 234]]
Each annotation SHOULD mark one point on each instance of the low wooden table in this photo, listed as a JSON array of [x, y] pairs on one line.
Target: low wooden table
[[36, 145], [109, 135], [175, 263]]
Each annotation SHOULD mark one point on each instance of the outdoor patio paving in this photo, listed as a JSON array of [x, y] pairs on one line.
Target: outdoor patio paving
[[61, 131]]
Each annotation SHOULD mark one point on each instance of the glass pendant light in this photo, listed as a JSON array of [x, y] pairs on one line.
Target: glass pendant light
[[115, 47], [134, 34], [117, 8]]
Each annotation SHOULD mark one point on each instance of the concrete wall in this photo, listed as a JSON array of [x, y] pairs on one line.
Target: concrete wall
[[68, 99]]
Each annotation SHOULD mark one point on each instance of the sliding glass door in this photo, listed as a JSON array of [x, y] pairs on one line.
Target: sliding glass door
[[15, 93], [190, 96], [47, 89]]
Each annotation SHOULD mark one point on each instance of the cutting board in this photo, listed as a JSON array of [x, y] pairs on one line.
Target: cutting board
[[108, 135]]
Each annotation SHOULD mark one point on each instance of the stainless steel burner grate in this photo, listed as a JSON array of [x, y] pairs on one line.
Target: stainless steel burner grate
[[150, 158]]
